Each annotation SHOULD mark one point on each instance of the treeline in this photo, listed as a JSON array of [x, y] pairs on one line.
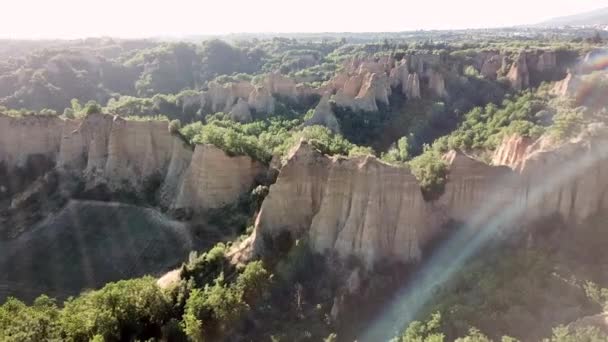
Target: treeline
[[99, 71], [210, 295]]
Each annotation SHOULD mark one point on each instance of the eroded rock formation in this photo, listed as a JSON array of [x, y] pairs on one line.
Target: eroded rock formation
[[124, 156], [324, 115], [519, 75], [365, 208], [358, 206]]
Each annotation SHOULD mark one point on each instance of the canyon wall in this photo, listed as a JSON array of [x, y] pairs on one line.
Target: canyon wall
[[365, 208], [126, 156]]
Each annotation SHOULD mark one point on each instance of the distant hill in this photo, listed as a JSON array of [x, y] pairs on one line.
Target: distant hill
[[591, 18]]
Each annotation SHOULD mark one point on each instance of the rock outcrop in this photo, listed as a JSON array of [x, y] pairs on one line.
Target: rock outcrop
[[491, 65], [124, 156], [324, 115], [361, 92], [358, 206], [261, 100], [213, 179], [511, 151], [365, 208], [519, 75], [475, 189]]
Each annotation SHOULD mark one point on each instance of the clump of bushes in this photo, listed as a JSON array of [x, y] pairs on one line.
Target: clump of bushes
[[431, 171], [264, 138], [210, 295]]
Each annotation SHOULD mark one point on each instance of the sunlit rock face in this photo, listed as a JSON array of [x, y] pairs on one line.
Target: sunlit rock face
[[124, 156], [512, 151], [519, 75], [490, 64], [574, 176], [323, 115], [213, 179], [475, 188], [359, 206], [365, 208], [29, 146]]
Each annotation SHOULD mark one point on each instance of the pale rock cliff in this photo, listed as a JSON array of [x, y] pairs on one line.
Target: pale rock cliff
[[27, 137], [567, 86], [214, 179], [261, 100], [491, 66], [323, 115], [128, 156], [359, 206], [519, 75], [360, 92], [474, 188], [362, 207], [511, 151], [281, 85], [399, 75]]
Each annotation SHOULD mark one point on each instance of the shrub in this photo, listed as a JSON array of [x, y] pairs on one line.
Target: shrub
[[431, 171], [119, 311], [175, 126]]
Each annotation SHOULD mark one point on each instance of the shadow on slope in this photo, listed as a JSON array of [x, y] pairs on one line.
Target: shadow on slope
[[88, 244]]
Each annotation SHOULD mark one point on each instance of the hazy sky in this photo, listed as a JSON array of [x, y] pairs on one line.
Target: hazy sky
[[142, 18]]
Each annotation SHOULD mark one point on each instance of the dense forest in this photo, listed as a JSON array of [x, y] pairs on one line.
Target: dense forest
[[289, 296]]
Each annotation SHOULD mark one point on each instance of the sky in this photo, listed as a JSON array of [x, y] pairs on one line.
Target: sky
[[144, 18]]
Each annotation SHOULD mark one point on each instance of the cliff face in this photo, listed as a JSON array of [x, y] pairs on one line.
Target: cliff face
[[365, 208], [214, 179], [132, 156], [359, 206]]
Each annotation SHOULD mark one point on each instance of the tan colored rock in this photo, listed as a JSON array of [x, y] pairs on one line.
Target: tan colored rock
[[491, 66], [324, 115], [519, 75], [570, 179], [181, 158], [137, 152], [261, 100], [352, 86], [382, 89], [295, 197], [476, 190], [281, 85], [219, 98], [512, 151], [567, 86], [127, 155], [29, 136], [399, 75], [358, 206], [240, 112], [86, 147], [215, 179]]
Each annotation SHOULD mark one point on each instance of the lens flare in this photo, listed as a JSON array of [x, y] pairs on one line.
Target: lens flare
[[482, 227]]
